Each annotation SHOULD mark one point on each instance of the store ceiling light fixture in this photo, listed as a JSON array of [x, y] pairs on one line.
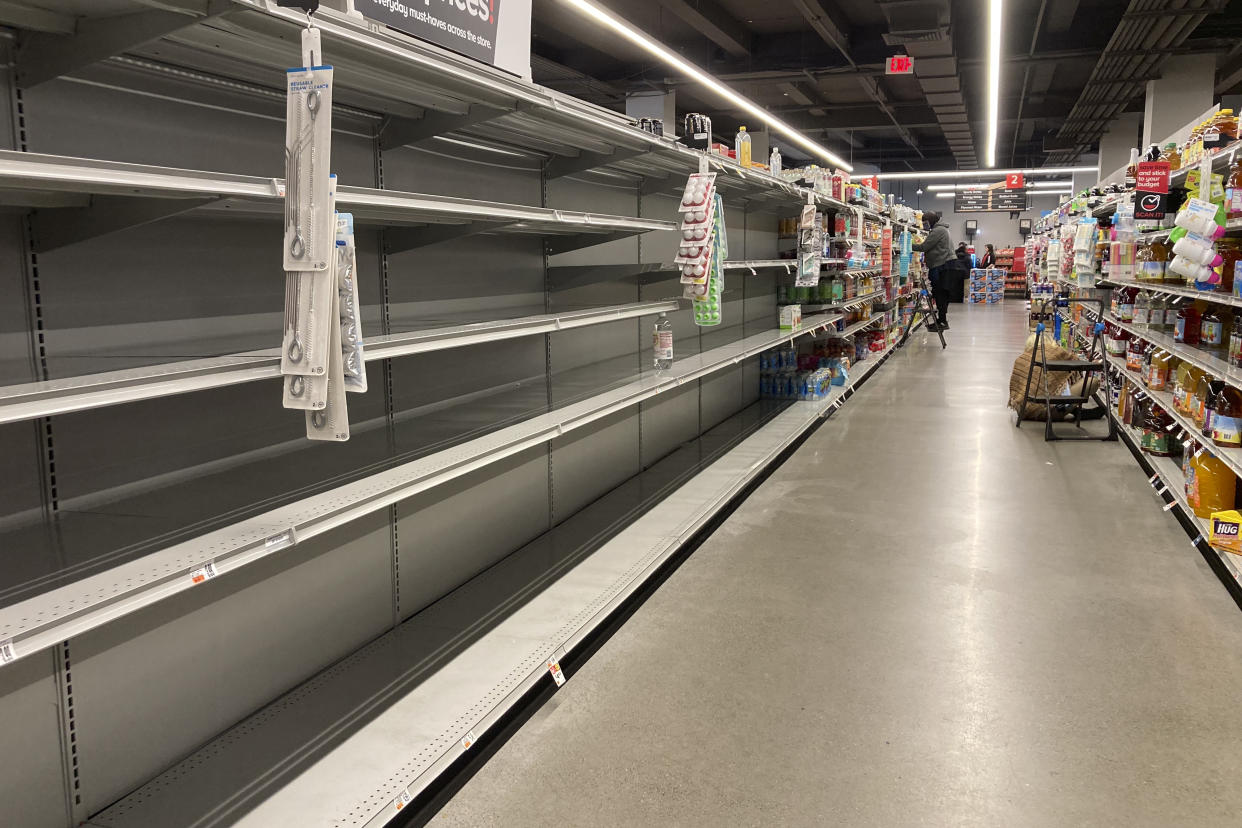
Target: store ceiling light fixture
[[616, 24], [975, 173], [996, 10]]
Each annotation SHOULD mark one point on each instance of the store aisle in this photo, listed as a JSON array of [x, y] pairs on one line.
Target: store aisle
[[924, 617]]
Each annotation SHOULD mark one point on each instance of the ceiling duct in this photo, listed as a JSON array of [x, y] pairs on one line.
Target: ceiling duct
[[923, 28]]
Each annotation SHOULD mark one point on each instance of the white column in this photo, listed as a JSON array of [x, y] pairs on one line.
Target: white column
[[1183, 93], [1124, 134]]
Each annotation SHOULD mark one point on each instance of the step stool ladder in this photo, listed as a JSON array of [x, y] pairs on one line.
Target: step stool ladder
[[1094, 364]]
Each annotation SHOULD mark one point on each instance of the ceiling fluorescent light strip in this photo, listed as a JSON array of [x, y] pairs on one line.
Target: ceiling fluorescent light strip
[[996, 9], [622, 28], [976, 173]]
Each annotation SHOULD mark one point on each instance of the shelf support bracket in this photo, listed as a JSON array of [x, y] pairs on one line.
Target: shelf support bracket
[[568, 165], [401, 132], [42, 56], [565, 244], [401, 239], [62, 226]]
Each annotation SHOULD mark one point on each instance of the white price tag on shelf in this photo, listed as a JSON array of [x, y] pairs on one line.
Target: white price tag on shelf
[[1152, 480], [1169, 506], [1195, 542], [1162, 490], [468, 740], [204, 573], [554, 668], [280, 539], [7, 651], [403, 799]]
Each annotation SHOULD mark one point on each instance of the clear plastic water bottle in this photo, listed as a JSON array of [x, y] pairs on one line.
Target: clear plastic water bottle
[[774, 161], [741, 147], [662, 342]]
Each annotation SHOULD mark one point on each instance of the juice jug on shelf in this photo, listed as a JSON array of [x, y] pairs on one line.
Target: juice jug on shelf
[[1230, 253], [1134, 354], [1235, 342], [1132, 169], [1211, 486], [1212, 332], [1233, 190], [1183, 382], [1139, 310], [1158, 373], [1198, 400], [1214, 387], [1158, 314], [1125, 305], [1150, 262], [1156, 437], [741, 146], [1227, 418], [1186, 328]]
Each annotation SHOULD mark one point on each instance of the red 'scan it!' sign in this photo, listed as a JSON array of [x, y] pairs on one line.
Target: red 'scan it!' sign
[[900, 65], [1153, 177]]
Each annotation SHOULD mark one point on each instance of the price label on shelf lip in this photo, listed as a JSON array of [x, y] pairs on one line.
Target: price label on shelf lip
[[554, 668], [404, 798], [468, 740], [204, 573], [7, 651]]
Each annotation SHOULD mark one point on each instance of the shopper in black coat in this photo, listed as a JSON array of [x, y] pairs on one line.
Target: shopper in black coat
[[989, 257]]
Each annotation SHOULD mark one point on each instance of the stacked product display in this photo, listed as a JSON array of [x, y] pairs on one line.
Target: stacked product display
[[987, 285]]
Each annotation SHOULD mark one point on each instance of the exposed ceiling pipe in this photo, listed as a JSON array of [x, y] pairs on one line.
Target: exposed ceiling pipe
[[1026, 78], [1147, 30]]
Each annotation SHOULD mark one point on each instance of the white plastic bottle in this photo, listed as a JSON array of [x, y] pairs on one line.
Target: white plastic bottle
[[662, 343], [741, 147], [774, 161]]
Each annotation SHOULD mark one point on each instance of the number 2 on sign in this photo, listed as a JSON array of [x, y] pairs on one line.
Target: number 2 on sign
[[1014, 181]]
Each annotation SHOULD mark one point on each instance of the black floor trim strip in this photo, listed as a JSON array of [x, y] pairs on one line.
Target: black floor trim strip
[[1193, 530]]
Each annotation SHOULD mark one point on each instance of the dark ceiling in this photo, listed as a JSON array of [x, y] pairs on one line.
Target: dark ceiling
[[819, 65]]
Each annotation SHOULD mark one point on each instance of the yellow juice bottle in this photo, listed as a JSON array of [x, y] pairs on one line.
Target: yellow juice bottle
[[1210, 485]]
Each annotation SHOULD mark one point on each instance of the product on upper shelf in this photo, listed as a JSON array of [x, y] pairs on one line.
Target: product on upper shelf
[[1172, 156], [698, 131], [1212, 332], [742, 147], [662, 343]]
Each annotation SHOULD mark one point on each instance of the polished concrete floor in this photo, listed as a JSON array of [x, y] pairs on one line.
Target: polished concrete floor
[[924, 617]]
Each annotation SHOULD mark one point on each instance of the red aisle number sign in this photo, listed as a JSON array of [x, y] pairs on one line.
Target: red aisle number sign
[[900, 65], [1014, 181]]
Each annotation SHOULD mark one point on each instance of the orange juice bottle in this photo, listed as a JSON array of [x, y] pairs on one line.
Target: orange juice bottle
[[1210, 485]]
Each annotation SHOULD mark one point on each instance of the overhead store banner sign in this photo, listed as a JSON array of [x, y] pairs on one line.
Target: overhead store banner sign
[[900, 65], [995, 198], [496, 32]]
